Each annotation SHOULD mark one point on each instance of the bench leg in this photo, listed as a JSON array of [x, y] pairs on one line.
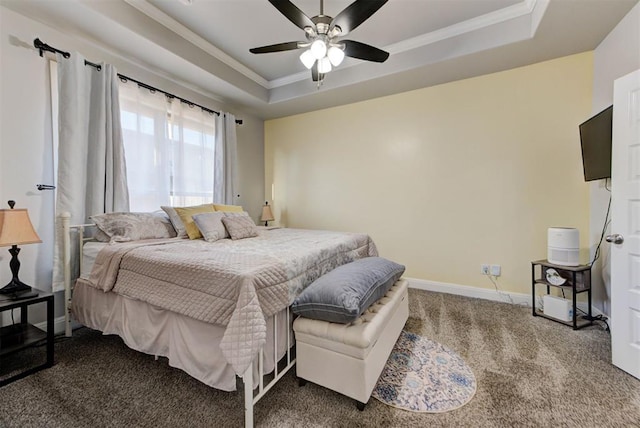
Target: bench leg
[[360, 405], [302, 382]]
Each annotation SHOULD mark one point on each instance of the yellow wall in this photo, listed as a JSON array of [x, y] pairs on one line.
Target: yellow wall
[[444, 178]]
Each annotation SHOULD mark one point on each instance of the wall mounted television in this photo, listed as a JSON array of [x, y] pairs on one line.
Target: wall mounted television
[[595, 141]]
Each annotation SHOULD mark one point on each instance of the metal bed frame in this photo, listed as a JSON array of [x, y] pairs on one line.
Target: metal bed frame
[[251, 396]]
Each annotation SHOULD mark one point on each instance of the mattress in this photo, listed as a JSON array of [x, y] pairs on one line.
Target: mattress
[[90, 251]]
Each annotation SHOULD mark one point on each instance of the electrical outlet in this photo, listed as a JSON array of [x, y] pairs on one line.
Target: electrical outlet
[[484, 269], [495, 270]]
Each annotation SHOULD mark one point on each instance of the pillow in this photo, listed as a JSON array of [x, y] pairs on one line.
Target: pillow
[[175, 221], [228, 208], [210, 226], [235, 213], [343, 294], [100, 236], [121, 227], [240, 226], [186, 215]]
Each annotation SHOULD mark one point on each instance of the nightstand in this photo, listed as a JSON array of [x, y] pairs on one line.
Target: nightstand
[[572, 279], [21, 335]]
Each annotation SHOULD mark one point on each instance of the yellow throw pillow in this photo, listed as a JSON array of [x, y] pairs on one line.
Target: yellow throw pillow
[[228, 208], [186, 215]]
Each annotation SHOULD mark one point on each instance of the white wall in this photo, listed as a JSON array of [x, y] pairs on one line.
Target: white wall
[[617, 55], [25, 155], [25, 135]]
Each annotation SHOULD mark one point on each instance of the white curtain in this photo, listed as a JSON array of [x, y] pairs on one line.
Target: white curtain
[[169, 147], [92, 176], [226, 172]]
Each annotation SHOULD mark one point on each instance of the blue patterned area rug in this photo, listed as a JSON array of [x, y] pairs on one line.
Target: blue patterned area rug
[[423, 376]]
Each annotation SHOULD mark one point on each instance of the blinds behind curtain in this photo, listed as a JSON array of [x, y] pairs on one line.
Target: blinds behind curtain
[[169, 149]]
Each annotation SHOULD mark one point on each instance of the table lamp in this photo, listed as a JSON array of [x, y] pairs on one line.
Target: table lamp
[[16, 229], [267, 215]]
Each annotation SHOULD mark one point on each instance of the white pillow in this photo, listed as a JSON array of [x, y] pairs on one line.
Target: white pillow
[[122, 227]]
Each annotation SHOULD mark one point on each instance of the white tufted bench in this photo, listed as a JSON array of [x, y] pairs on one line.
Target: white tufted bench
[[348, 358]]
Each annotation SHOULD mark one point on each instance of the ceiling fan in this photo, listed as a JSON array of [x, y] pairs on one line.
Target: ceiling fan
[[324, 48]]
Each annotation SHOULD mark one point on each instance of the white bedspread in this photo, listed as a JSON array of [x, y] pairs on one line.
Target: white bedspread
[[232, 283]]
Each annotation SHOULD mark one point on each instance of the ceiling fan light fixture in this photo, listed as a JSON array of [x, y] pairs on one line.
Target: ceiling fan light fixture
[[322, 49], [310, 32], [334, 32], [307, 59], [318, 48], [324, 65], [335, 55]]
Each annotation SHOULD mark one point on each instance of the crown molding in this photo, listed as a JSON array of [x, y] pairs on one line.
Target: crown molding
[[533, 8], [470, 25], [162, 18], [516, 11]]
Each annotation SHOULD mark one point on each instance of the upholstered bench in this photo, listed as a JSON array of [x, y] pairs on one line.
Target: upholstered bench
[[348, 358]]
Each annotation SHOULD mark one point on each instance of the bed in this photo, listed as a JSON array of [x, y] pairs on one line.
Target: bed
[[216, 310]]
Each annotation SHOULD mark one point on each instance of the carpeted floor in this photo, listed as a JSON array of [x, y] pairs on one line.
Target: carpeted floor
[[531, 372]]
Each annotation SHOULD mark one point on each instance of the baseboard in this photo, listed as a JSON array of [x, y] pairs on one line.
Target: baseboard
[[58, 325], [484, 293], [468, 291]]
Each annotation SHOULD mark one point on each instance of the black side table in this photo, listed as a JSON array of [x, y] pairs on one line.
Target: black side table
[[16, 337], [577, 280]]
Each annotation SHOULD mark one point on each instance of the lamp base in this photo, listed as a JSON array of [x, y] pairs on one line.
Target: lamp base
[[15, 286]]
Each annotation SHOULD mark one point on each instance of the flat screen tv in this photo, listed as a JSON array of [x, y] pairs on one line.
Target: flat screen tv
[[595, 140]]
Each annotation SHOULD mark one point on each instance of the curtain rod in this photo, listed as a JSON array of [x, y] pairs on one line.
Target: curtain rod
[[38, 44]]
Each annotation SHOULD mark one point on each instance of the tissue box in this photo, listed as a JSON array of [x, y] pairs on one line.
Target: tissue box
[[557, 307]]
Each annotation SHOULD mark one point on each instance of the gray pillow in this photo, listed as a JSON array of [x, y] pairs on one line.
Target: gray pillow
[[235, 213], [176, 221], [210, 225], [240, 227], [343, 294], [122, 227], [100, 236]]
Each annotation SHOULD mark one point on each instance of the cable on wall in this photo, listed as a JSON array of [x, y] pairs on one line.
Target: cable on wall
[[596, 254]]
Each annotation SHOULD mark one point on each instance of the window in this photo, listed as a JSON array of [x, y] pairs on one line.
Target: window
[[169, 150]]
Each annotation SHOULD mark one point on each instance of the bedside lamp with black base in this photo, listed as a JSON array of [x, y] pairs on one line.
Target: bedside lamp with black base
[[16, 229], [267, 215]]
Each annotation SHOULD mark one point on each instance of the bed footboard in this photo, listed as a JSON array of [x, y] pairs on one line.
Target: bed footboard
[[67, 231], [288, 361]]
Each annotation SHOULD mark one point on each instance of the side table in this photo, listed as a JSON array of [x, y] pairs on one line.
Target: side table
[[577, 279], [19, 336]]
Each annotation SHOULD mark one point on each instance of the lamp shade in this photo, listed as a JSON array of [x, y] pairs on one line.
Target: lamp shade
[[16, 228], [308, 59], [318, 48], [335, 55], [324, 65], [267, 215]]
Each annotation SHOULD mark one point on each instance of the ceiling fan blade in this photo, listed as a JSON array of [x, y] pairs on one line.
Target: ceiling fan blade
[[292, 13], [363, 51], [278, 47], [355, 14]]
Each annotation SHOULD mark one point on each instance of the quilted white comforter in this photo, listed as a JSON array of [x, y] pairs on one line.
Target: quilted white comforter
[[233, 283]]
